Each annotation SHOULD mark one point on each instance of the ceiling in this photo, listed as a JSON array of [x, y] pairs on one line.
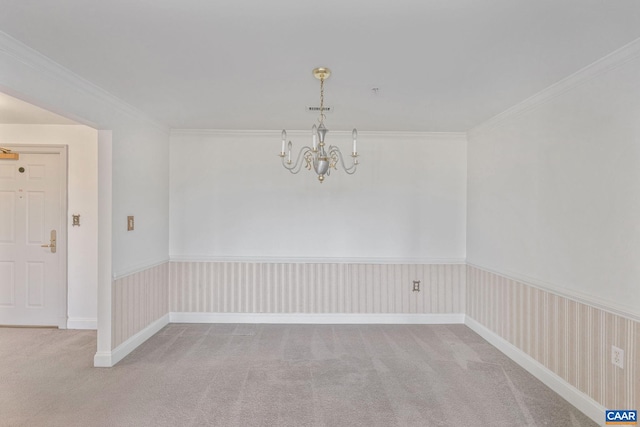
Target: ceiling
[[17, 112], [439, 65]]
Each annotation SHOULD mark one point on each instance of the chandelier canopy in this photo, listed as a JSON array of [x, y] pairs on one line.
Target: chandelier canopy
[[316, 157]]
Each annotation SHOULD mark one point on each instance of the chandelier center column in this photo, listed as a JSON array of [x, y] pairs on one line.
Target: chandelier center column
[[316, 157]]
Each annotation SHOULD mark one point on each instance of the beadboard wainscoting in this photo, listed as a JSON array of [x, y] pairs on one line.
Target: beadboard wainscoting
[[139, 301], [346, 291], [571, 339]]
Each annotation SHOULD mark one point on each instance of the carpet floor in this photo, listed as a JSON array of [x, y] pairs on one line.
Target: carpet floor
[[274, 375]]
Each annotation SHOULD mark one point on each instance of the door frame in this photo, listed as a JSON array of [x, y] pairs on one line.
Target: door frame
[[62, 238]]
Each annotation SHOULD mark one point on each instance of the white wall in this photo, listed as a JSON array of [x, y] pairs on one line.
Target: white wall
[[136, 182], [82, 199], [140, 188], [554, 188], [232, 199], [139, 149]]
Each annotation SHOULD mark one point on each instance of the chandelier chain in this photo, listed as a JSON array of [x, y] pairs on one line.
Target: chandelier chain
[[322, 116], [316, 157]]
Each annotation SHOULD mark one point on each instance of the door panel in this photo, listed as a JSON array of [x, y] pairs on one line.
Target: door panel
[[35, 284], [7, 283], [31, 206], [35, 217], [7, 215]]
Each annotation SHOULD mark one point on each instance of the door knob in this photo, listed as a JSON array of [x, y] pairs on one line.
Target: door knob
[[51, 245]]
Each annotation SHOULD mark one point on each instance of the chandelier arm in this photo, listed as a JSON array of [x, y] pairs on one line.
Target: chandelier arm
[[349, 170], [316, 158], [297, 166]]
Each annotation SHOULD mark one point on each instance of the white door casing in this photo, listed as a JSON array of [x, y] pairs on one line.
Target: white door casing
[[33, 202]]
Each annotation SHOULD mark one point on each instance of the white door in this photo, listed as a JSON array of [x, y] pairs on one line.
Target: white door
[[32, 209]]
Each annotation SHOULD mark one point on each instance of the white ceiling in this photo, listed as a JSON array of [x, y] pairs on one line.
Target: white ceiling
[[15, 111], [440, 65]]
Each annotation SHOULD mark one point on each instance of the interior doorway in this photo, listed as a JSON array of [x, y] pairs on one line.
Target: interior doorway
[[23, 124], [33, 237]]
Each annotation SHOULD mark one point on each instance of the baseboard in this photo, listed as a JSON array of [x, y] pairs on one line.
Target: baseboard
[[102, 359], [82, 323], [318, 318], [584, 403], [109, 359]]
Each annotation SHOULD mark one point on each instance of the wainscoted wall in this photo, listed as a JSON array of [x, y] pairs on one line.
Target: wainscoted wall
[[570, 338], [138, 301], [243, 287]]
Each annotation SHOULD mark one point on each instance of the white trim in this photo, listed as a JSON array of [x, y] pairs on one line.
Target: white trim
[[614, 60], [105, 240], [102, 359], [318, 260], [82, 323], [555, 289], [37, 148], [62, 151], [319, 318], [37, 61], [107, 359], [584, 403], [275, 134], [139, 268]]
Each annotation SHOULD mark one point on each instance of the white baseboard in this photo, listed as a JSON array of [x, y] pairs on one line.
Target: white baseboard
[[82, 323], [318, 318], [108, 359], [584, 403], [102, 359]]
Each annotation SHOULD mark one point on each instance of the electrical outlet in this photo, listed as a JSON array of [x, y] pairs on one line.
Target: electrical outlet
[[416, 286], [617, 356]]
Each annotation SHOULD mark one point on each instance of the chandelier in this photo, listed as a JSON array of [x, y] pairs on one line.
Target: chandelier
[[317, 157]]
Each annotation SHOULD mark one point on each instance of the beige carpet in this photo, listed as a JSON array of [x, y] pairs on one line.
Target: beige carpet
[[274, 375]]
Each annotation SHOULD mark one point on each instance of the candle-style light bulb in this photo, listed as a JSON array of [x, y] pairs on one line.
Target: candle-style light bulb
[[314, 135], [354, 134], [284, 138], [290, 146]]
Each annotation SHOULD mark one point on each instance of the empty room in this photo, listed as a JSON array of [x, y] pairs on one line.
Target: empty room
[[292, 213]]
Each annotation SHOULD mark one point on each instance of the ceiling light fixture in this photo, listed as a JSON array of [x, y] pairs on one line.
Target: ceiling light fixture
[[316, 157]]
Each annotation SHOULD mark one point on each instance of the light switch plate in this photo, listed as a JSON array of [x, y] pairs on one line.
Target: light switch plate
[[130, 223]]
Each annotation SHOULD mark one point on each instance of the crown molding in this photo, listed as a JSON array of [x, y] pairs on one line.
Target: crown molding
[[610, 62], [313, 260], [56, 72], [276, 133]]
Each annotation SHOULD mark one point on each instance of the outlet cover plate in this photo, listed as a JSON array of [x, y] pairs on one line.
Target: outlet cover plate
[[617, 356]]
